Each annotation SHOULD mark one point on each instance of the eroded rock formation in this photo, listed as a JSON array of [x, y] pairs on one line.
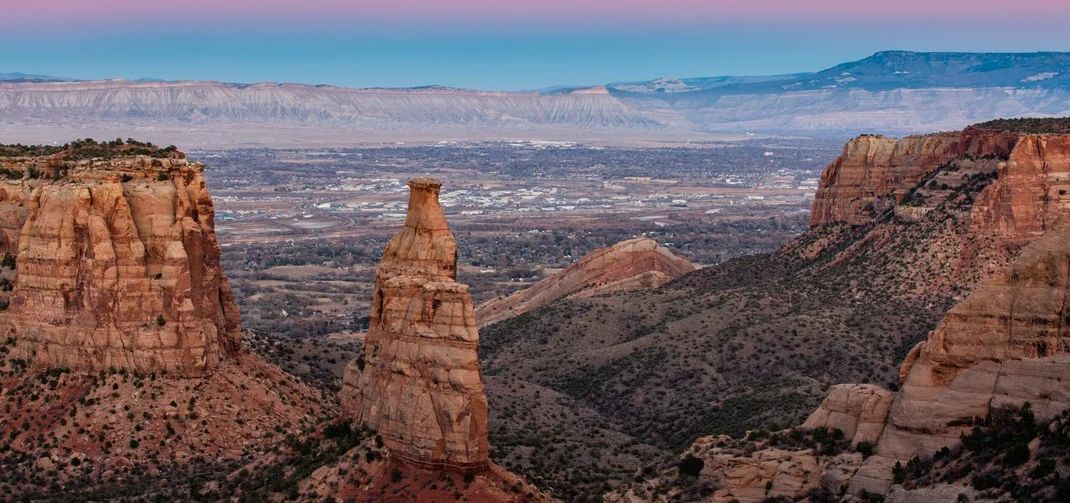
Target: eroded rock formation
[[873, 168], [858, 410], [1031, 190], [1005, 345], [117, 265], [418, 382], [629, 265]]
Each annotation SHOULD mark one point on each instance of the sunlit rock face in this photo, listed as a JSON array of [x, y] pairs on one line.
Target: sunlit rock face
[[117, 266], [418, 382], [633, 264], [872, 168]]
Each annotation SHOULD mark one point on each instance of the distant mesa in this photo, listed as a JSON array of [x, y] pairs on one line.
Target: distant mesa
[[896, 92], [629, 265]]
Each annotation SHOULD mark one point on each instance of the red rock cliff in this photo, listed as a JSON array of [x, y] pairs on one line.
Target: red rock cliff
[[117, 266], [1031, 190], [875, 167], [418, 382]]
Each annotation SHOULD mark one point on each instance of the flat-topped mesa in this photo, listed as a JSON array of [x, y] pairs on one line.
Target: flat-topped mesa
[[629, 265], [418, 382], [117, 265]]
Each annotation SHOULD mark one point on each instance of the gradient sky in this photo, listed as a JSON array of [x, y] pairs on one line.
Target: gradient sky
[[503, 44]]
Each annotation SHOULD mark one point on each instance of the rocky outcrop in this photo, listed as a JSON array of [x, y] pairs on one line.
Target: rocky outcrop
[[629, 265], [418, 381], [858, 410], [746, 472], [1032, 188], [1005, 345], [117, 265], [876, 168]]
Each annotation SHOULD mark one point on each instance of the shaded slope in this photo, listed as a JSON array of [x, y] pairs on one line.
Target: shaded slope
[[754, 342]]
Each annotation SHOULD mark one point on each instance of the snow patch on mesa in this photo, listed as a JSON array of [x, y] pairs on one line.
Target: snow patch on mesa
[[661, 85], [1040, 76]]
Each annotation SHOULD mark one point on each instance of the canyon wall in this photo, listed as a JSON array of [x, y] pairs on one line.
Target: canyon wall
[[629, 265], [418, 382], [876, 168], [117, 265], [1031, 190], [1005, 344]]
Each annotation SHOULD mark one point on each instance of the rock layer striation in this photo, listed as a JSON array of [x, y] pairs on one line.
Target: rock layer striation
[[875, 168], [418, 382], [1004, 345], [629, 265], [117, 265]]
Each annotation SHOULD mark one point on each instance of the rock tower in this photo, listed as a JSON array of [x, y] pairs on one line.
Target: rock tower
[[418, 382]]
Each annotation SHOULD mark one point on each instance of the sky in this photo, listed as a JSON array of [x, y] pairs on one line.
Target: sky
[[497, 45]]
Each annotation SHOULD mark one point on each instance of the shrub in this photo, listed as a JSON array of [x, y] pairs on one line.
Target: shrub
[[690, 466], [1016, 455], [865, 449]]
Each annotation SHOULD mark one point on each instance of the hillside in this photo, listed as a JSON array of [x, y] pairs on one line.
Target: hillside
[[633, 264], [910, 227]]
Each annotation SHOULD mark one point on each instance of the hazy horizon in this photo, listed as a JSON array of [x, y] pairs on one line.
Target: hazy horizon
[[482, 45]]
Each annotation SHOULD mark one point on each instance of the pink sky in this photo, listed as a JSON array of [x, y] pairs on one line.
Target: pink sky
[[39, 12]]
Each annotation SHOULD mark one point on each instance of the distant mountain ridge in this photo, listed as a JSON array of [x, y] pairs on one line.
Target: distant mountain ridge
[[26, 77], [896, 92], [889, 70]]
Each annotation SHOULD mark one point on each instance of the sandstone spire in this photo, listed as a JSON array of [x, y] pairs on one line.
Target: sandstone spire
[[418, 382], [117, 266]]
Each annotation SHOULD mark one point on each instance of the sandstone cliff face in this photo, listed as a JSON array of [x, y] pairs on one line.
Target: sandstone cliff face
[[117, 266], [1005, 345], [1032, 188], [418, 382], [629, 265], [858, 410], [872, 168]]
